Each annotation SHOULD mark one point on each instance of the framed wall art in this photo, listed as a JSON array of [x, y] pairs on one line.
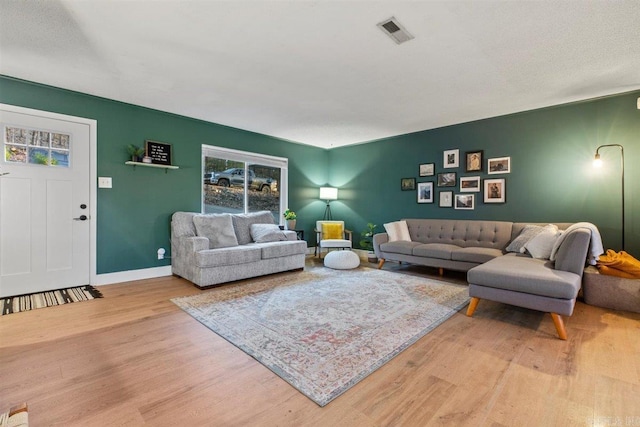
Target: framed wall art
[[474, 160], [499, 165], [425, 192], [469, 184], [407, 184], [451, 158], [427, 169], [495, 191], [447, 179], [464, 201], [446, 199], [159, 152]]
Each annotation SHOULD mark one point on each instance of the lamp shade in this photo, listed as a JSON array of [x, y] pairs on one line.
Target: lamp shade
[[328, 193]]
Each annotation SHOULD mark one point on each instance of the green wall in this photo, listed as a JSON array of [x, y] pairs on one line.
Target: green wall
[[133, 217], [551, 179]]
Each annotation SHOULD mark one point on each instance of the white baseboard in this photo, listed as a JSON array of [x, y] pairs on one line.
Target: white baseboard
[[127, 276]]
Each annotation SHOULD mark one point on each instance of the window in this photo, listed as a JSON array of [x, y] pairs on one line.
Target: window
[[36, 147], [225, 189]]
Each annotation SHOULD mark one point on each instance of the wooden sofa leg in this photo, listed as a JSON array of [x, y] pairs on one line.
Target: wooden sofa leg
[[440, 271], [472, 306], [557, 320], [381, 263]]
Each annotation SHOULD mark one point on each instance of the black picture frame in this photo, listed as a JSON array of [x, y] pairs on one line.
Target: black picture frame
[[425, 192], [474, 160], [159, 152], [447, 179], [408, 184], [427, 169]]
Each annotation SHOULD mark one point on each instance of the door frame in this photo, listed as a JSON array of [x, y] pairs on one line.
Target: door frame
[[93, 172]]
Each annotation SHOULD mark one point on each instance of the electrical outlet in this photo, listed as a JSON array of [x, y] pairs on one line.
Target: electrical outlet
[[161, 253], [104, 182]]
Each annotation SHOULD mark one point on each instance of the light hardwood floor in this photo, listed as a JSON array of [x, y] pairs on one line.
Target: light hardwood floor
[[133, 358]]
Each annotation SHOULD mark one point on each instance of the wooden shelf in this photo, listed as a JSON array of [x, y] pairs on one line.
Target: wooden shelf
[[151, 165]]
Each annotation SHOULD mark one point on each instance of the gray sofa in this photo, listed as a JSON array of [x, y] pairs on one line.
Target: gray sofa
[[479, 248], [211, 249]]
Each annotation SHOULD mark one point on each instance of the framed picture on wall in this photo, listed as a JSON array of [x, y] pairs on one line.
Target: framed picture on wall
[[469, 184], [451, 158], [495, 191], [407, 184], [425, 192], [474, 160], [427, 169], [446, 199], [499, 165], [447, 179], [464, 201]]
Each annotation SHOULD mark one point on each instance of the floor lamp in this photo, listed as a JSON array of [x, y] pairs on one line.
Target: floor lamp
[[598, 163], [328, 194]]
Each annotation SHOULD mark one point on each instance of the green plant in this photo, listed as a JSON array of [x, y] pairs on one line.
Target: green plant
[[290, 215], [134, 150], [367, 237]]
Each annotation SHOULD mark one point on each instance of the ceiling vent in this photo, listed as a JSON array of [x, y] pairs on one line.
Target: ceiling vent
[[395, 30]]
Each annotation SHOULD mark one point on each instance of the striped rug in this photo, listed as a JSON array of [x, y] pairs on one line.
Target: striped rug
[[47, 299]]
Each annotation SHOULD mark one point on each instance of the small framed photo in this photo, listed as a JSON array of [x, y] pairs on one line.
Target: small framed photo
[[446, 199], [464, 201], [407, 184], [427, 169], [447, 179], [469, 184], [499, 165], [495, 191], [474, 160], [451, 158], [425, 192]]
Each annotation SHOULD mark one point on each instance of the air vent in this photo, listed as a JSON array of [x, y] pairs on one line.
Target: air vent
[[395, 30]]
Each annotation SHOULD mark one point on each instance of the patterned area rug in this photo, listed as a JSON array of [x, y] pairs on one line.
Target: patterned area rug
[[47, 299], [324, 330]]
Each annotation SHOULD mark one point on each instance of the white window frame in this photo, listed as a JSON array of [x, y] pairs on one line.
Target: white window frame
[[249, 159]]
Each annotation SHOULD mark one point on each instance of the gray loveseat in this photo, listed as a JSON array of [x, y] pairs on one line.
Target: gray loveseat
[[479, 247], [212, 249]]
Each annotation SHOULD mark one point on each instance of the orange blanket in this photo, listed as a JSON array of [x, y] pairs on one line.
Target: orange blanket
[[619, 264]]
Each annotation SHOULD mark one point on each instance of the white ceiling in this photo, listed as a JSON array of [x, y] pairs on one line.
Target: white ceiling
[[321, 72]]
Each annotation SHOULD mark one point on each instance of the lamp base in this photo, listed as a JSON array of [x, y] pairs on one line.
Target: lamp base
[[327, 213]]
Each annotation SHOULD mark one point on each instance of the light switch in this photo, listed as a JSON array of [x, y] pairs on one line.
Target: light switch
[[104, 182]]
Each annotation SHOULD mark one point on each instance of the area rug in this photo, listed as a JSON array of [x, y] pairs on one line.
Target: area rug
[[324, 330], [47, 299]]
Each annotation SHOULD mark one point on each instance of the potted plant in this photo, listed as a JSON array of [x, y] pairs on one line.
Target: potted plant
[[135, 152], [290, 217], [367, 241]]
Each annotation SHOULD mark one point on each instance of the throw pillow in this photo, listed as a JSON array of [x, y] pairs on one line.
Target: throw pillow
[[332, 231], [242, 224], [218, 228], [263, 233], [541, 244], [527, 233], [397, 231]]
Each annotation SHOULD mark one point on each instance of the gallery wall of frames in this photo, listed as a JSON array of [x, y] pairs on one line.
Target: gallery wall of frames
[[462, 182]]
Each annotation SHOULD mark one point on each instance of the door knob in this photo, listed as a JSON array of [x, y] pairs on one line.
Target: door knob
[[81, 218]]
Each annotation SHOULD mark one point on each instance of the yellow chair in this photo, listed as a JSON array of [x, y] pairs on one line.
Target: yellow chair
[[332, 234]]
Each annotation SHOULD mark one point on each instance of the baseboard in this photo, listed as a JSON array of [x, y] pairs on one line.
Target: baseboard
[[127, 276]]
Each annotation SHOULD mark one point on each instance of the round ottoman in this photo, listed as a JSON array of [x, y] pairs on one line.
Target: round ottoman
[[342, 260]]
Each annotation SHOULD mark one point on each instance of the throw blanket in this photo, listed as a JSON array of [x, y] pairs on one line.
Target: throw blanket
[[619, 264], [595, 244]]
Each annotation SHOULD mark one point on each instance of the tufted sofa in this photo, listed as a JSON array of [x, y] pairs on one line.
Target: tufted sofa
[[212, 249], [479, 248]]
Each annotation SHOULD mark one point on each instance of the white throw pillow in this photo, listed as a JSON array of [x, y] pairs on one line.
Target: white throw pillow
[[541, 245], [398, 231], [218, 228], [263, 233]]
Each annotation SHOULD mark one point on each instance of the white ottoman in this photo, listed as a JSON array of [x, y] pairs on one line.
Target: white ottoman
[[341, 260]]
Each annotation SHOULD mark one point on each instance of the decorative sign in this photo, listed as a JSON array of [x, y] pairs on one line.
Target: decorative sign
[[159, 152]]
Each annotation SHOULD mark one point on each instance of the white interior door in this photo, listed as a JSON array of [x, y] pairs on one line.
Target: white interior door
[[44, 203]]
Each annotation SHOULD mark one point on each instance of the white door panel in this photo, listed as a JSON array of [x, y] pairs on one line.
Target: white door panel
[[42, 247]]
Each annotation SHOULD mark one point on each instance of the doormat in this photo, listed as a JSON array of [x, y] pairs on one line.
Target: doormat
[[47, 299], [324, 331]]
